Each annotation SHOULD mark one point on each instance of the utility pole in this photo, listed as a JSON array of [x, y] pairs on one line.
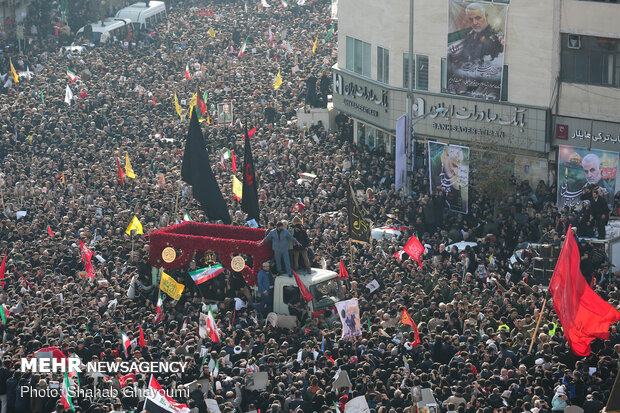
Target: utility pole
[[409, 132]]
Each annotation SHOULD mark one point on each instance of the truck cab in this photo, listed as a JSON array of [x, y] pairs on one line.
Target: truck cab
[[324, 285]]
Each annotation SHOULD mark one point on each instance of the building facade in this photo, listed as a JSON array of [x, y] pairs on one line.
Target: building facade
[[560, 72]]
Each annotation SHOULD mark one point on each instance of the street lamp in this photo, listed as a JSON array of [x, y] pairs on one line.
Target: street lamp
[[409, 131]]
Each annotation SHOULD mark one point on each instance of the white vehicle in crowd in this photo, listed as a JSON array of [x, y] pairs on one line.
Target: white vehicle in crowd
[[110, 29], [142, 16], [323, 284]]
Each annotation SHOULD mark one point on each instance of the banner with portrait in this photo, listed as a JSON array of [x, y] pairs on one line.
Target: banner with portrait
[[449, 171], [360, 227], [349, 314], [579, 168], [475, 62], [225, 113]]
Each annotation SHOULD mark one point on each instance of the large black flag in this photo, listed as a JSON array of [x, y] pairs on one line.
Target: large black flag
[[196, 171], [249, 200], [359, 226]]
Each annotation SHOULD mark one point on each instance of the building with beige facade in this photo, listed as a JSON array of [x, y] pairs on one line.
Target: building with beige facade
[[560, 75]]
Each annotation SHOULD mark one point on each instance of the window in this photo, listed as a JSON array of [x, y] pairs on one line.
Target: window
[[590, 60], [358, 56], [383, 65], [604, 1], [444, 80], [420, 72]]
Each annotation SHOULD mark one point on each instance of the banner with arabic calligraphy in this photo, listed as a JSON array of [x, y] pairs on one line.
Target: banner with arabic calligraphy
[[579, 167], [449, 171], [475, 63], [359, 226]]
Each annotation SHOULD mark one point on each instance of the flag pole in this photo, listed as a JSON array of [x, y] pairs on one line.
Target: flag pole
[[133, 232], [537, 326], [176, 201]]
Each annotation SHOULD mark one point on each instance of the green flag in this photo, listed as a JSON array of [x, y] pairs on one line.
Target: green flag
[[330, 31]]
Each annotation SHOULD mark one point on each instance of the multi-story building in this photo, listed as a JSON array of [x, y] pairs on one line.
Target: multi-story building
[[559, 81]]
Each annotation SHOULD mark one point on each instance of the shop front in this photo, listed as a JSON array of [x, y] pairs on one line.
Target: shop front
[[487, 127], [373, 106]]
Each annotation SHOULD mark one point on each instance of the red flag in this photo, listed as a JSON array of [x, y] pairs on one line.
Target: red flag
[[49, 231], [123, 379], [201, 105], [121, 174], [583, 314], [141, 340], [87, 255], [2, 269], [405, 319], [302, 287], [252, 132], [414, 249], [234, 161], [342, 273], [154, 102], [188, 76]]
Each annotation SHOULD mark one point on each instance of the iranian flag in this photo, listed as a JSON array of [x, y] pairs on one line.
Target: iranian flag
[[229, 155], [216, 369], [65, 396], [159, 309], [72, 76], [4, 313], [205, 274], [243, 46], [157, 401], [284, 4], [212, 328], [126, 342], [188, 76]]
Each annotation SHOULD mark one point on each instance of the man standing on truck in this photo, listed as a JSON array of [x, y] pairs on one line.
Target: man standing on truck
[[279, 243], [264, 288]]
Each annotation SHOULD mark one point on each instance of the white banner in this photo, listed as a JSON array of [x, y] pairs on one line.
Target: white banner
[[202, 325], [349, 314]]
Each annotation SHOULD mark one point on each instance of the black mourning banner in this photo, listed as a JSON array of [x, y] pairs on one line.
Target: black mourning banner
[[359, 226]]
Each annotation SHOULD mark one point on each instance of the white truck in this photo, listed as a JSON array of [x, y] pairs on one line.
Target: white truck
[[324, 285]]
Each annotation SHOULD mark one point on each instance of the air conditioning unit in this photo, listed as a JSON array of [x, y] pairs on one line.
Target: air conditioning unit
[[574, 41]]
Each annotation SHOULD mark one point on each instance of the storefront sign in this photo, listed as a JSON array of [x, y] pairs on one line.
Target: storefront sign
[[467, 120], [363, 92], [587, 133], [581, 134]]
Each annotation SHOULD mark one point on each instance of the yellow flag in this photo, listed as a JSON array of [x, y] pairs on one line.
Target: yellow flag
[[316, 43], [170, 286], [211, 32], [278, 82], [15, 75], [192, 103], [237, 188], [177, 106], [135, 224], [128, 168]]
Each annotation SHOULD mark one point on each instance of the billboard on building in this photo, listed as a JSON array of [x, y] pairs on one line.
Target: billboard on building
[[476, 33], [449, 171], [580, 167]]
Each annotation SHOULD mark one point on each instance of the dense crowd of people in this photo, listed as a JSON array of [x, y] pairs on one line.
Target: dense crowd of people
[[475, 309]]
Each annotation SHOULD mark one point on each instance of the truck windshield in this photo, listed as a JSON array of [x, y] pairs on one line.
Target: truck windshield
[[326, 294]]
